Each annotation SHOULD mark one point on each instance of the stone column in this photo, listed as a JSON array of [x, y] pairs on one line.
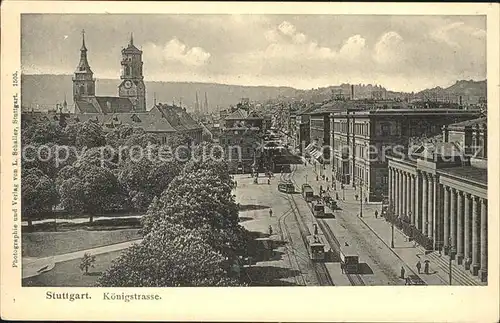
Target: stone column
[[430, 206], [400, 191], [408, 196], [453, 219], [425, 197], [403, 195], [437, 238], [467, 231], [396, 191], [475, 237], [412, 198], [391, 189], [483, 272], [417, 200], [446, 215], [460, 227]]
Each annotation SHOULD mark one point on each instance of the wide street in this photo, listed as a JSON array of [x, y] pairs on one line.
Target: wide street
[[289, 262]]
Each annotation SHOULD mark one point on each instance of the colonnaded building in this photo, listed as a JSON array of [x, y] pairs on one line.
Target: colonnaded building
[[440, 188]]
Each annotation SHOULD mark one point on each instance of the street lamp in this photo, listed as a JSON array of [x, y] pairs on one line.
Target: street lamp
[[451, 253]]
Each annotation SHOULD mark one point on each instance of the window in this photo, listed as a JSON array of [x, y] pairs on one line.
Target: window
[[385, 129]]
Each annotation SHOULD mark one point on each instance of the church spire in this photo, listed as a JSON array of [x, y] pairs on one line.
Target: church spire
[[131, 39], [83, 65], [83, 41]]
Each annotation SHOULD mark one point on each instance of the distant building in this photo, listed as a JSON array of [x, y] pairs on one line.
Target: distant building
[[362, 138], [241, 138], [440, 189]]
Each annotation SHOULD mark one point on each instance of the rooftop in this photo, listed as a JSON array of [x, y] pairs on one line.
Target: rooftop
[[478, 175], [468, 123]]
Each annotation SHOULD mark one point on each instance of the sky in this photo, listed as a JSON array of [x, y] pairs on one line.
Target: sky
[[401, 53]]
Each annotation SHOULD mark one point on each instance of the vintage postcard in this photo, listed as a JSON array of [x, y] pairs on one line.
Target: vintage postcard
[[250, 161]]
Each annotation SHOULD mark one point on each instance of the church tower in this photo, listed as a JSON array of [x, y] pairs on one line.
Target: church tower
[[132, 85], [83, 80]]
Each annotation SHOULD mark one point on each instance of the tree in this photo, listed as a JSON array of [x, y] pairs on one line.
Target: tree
[[89, 188], [201, 198], [147, 177], [87, 262], [167, 257], [87, 134], [38, 194]]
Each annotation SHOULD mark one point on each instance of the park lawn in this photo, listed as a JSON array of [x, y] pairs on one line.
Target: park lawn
[[68, 274], [44, 244]]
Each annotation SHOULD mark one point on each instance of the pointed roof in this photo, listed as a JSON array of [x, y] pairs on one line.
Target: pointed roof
[[239, 114], [83, 65], [131, 47]]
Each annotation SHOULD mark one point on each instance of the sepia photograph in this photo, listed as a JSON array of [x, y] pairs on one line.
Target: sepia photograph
[[279, 149]]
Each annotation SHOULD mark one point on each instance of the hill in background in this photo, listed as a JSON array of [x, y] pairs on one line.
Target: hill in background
[[47, 90]]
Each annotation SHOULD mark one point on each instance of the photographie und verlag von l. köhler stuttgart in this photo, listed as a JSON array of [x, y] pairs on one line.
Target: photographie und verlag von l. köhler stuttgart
[[293, 156]]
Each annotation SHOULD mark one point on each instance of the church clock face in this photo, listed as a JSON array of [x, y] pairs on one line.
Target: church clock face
[[127, 84]]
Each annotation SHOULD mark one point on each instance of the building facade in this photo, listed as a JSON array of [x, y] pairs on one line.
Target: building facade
[[362, 137], [440, 189], [241, 138]]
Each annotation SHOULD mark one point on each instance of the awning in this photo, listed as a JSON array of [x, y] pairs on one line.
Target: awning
[[316, 154], [310, 147]]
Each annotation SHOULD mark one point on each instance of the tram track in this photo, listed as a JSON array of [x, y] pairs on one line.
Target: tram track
[[354, 279], [319, 268], [292, 256]]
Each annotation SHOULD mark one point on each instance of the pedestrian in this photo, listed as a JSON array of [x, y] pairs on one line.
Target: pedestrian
[[235, 184], [270, 212], [328, 188], [366, 200], [426, 267], [337, 196], [402, 272], [268, 181], [376, 214], [320, 188], [327, 179], [317, 178], [356, 196], [419, 266], [270, 230], [407, 281], [342, 267]]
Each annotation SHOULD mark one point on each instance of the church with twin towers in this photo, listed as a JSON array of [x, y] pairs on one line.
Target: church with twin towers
[[131, 90], [129, 107]]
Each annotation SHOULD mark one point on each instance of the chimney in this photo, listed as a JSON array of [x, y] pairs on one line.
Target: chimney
[[352, 91]]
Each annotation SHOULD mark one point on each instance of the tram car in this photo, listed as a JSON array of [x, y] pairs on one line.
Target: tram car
[[318, 209], [307, 192], [288, 187], [316, 248], [330, 202], [349, 259]]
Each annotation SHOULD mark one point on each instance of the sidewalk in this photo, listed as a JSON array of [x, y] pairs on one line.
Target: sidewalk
[[35, 266], [410, 254]]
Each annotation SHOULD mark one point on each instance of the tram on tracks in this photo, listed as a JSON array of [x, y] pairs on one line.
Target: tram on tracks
[[286, 187], [307, 192], [318, 209], [349, 259], [316, 248]]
